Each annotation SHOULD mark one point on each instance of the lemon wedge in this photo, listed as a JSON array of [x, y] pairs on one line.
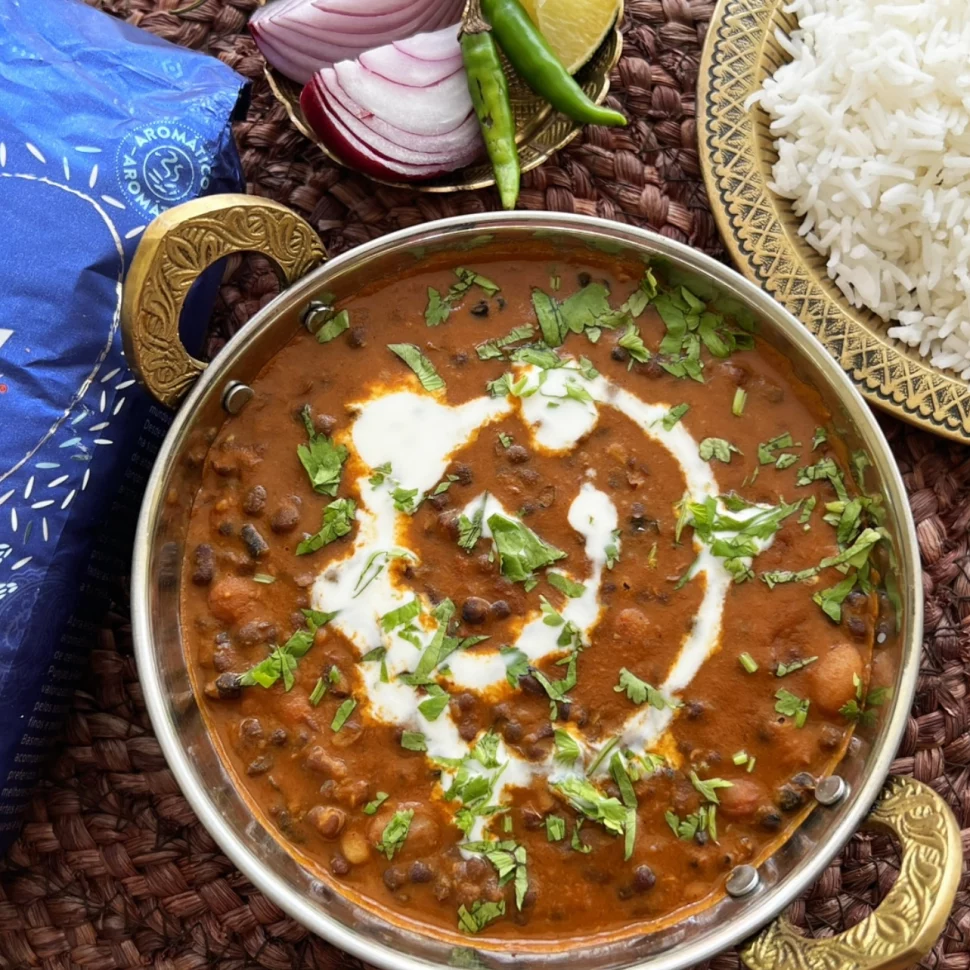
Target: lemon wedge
[[573, 28]]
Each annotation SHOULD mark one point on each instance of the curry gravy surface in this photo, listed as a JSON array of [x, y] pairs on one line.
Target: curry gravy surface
[[246, 588]]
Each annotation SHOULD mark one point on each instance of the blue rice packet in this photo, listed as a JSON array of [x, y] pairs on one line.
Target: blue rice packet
[[102, 127]]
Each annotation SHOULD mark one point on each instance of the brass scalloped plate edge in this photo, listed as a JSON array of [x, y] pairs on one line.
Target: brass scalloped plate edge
[[540, 131], [760, 233]]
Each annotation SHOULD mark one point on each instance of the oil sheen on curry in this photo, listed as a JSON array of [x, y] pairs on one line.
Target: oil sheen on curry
[[528, 599]]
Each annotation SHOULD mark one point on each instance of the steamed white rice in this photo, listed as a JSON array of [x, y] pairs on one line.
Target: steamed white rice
[[871, 117]]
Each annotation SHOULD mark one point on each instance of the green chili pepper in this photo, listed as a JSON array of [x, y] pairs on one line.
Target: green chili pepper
[[490, 96], [538, 66]]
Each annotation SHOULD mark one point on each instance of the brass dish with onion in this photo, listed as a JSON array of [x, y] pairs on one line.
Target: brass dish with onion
[[526, 585], [423, 133]]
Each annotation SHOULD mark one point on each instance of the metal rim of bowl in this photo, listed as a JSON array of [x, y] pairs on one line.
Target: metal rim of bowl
[[762, 909]]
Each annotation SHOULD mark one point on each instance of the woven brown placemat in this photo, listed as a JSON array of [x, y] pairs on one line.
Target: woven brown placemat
[[114, 871]]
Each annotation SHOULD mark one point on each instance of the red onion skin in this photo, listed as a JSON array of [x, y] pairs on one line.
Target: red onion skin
[[301, 36]]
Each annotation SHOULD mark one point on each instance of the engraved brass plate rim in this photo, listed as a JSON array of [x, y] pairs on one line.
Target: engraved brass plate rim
[[540, 131], [760, 231]]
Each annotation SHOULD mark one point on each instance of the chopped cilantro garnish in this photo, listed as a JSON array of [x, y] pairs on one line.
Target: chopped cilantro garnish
[[406, 500], [381, 473], [485, 751], [819, 438], [718, 448], [395, 832], [322, 459], [496, 347], [430, 379], [555, 828], [824, 470], [860, 462], [434, 706], [371, 807], [790, 705], [439, 647], [402, 615], [479, 916], [338, 517], [509, 860], [343, 712], [613, 549], [783, 670], [319, 689], [748, 662], [264, 578], [770, 452], [708, 787], [549, 317], [703, 820], [673, 416], [861, 709], [438, 310], [831, 599], [414, 741], [640, 692], [505, 439], [334, 327], [740, 399], [566, 747], [633, 344], [282, 661], [470, 530], [439, 307], [588, 800], [576, 843], [740, 758], [520, 550], [565, 585]]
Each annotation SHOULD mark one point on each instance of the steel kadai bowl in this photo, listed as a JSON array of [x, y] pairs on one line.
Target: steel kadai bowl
[[174, 250]]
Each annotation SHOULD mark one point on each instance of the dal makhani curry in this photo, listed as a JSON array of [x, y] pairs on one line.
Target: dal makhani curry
[[528, 599]]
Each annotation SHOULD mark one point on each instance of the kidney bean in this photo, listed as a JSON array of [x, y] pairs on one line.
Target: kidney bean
[[420, 872], [832, 683], [319, 759], [394, 878], [517, 455], [233, 599], [251, 728], [285, 518], [224, 687], [475, 610], [357, 337], [644, 879], [339, 865], [355, 847], [255, 500], [500, 610], [742, 800], [259, 766], [256, 545], [205, 564], [328, 821], [325, 423]]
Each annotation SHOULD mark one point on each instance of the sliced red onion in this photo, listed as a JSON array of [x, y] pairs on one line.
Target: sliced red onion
[[430, 110], [381, 114], [298, 37], [459, 139]]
